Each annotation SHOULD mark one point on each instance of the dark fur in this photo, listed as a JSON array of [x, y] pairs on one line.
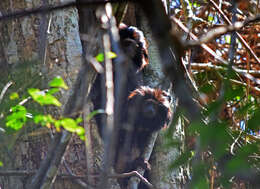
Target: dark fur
[[148, 110], [143, 111], [134, 45]]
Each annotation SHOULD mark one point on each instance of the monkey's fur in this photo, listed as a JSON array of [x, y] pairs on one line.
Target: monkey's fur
[[148, 110], [144, 110]]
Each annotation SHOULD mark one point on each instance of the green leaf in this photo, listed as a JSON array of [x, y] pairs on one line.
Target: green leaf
[[17, 118], [207, 88], [182, 159], [43, 119], [210, 18], [69, 124], [254, 121], [82, 137], [43, 98], [53, 90], [80, 131], [100, 57], [58, 82], [111, 55], [79, 120], [1, 164], [232, 94], [14, 96], [95, 112], [199, 180]]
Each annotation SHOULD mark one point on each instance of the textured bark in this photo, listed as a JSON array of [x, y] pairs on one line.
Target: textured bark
[[33, 50]]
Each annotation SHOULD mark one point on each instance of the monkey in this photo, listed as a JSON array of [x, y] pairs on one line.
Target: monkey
[[144, 110], [134, 46], [148, 110]]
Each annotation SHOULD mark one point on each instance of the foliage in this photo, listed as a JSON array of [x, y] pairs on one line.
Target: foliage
[[100, 57], [225, 144], [20, 115]]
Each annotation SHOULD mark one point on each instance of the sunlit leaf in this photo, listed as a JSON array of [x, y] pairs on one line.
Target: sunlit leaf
[[43, 119], [100, 57], [1, 164], [14, 96], [79, 120], [43, 98], [111, 55], [17, 118], [58, 82]]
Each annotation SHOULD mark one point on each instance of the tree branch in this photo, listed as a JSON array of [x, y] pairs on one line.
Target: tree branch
[[238, 35], [51, 8], [171, 50]]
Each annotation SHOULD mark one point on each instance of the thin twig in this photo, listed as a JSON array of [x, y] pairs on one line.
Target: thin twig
[[220, 30], [5, 89], [238, 35], [211, 52]]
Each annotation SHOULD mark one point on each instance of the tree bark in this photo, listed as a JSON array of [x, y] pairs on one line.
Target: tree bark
[[33, 50]]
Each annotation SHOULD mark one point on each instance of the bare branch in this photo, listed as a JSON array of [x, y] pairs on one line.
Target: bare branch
[[171, 50], [211, 52], [238, 35], [51, 8], [5, 89], [220, 30]]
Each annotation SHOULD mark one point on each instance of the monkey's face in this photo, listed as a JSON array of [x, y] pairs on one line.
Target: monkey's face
[[152, 107], [153, 115]]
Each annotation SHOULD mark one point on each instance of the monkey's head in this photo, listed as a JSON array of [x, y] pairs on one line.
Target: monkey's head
[[134, 45], [152, 107]]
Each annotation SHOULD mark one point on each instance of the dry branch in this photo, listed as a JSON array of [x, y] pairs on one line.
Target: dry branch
[[238, 35]]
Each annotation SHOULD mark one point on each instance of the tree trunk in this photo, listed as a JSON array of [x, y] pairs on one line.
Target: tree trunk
[[33, 50]]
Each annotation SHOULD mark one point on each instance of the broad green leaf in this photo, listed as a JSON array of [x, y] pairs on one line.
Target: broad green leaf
[[58, 82], [17, 118], [43, 98], [69, 124], [14, 96], [1, 164]]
